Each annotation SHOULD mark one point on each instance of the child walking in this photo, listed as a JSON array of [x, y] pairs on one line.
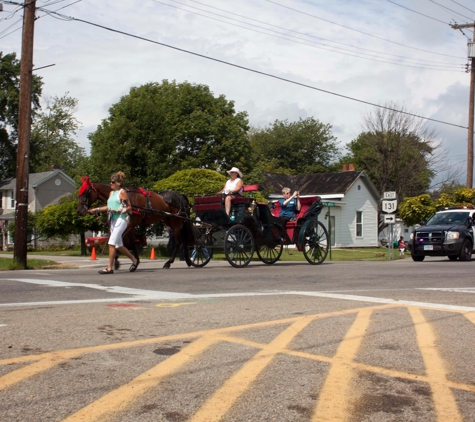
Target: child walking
[[401, 246]]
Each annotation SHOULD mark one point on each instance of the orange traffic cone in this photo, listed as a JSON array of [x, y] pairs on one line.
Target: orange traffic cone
[[93, 254], [152, 253]]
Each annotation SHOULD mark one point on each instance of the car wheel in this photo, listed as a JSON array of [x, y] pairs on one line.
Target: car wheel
[[466, 251], [418, 258]]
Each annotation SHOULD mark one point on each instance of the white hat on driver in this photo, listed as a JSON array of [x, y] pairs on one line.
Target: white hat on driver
[[235, 170]]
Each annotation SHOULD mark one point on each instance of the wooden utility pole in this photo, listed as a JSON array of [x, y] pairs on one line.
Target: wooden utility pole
[[24, 131], [471, 56]]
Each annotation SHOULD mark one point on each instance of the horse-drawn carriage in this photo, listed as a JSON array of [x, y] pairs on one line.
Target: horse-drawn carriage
[[251, 227], [255, 227]]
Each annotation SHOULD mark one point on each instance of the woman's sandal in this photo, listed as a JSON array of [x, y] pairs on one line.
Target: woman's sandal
[[106, 271], [133, 267]]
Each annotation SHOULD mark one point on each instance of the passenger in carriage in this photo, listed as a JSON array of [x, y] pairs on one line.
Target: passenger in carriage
[[289, 206], [232, 189]]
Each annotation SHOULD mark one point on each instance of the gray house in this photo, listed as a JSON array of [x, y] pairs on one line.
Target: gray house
[[351, 214], [44, 189]]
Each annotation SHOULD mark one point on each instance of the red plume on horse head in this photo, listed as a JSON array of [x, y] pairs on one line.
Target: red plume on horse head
[[86, 184]]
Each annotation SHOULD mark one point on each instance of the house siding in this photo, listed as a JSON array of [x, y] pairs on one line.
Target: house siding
[[359, 200], [48, 193], [334, 212]]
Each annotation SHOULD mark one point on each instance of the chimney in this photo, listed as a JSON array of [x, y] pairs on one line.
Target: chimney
[[345, 167], [351, 167]]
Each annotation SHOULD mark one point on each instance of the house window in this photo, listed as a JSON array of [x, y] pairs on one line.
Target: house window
[[359, 223], [1, 199], [12, 200]]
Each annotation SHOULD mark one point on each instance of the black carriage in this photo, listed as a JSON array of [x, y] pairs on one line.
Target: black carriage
[[255, 227]]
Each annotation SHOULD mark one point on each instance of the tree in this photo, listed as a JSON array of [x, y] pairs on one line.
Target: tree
[[9, 103], [305, 146], [413, 210], [61, 220], [193, 182], [159, 129], [52, 142], [396, 151], [198, 182]]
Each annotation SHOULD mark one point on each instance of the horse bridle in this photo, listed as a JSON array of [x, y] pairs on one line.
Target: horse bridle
[[84, 198]]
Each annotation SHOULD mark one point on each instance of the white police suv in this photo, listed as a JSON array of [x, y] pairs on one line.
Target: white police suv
[[448, 232]]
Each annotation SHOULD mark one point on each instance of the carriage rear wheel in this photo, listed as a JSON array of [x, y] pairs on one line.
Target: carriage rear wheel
[[199, 255], [238, 246], [315, 243], [270, 252]]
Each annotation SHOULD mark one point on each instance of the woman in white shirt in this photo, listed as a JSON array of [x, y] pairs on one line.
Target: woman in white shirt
[[232, 189]]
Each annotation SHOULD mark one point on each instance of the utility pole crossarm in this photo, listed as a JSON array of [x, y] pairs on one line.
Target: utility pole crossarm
[[465, 25]]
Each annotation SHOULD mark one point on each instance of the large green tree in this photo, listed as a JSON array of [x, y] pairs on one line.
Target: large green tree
[[396, 150], [161, 128], [9, 106], [52, 138], [304, 146]]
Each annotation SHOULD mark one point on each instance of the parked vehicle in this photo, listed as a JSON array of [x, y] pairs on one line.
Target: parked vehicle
[[448, 232]]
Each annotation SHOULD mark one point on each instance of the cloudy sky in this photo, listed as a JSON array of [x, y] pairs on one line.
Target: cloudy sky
[[378, 51]]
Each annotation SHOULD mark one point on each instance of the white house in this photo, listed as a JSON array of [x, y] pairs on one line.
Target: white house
[[351, 214], [44, 189]]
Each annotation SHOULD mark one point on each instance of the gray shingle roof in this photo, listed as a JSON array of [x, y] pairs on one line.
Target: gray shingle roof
[[316, 183], [34, 179]]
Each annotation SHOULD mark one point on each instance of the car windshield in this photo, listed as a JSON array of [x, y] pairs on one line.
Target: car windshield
[[449, 218]]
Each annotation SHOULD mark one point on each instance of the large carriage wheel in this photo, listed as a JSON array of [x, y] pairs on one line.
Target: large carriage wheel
[[315, 242], [199, 255], [270, 252], [238, 246]]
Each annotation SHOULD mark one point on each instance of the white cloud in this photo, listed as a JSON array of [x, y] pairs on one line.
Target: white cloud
[[98, 66]]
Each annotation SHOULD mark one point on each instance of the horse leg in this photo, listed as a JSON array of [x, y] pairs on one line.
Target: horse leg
[[186, 232], [116, 260], [176, 245]]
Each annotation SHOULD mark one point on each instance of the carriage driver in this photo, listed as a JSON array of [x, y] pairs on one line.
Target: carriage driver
[[289, 205], [232, 189]]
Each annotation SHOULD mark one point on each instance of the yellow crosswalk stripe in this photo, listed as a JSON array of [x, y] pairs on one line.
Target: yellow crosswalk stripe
[[442, 396]]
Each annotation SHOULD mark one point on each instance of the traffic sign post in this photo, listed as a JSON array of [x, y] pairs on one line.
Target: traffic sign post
[[389, 207]]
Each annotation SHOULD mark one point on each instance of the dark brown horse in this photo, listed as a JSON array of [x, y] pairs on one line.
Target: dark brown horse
[[147, 208]]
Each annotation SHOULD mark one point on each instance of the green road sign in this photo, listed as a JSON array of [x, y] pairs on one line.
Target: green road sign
[[329, 204]]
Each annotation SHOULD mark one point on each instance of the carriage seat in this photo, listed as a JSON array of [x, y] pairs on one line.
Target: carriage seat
[[245, 199], [214, 202], [305, 205]]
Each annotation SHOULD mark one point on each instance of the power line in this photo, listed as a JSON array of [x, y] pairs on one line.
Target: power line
[[451, 10], [330, 48], [362, 32], [461, 5], [69, 18], [415, 11], [17, 29], [11, 25], [444, 64]]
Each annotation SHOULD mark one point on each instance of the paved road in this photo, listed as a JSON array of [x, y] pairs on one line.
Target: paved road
[[356, 341]]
